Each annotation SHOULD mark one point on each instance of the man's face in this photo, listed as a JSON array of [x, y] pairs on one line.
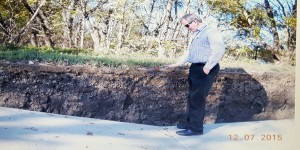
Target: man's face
[[190, 25]]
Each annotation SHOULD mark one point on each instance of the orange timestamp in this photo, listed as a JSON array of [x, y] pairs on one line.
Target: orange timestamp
[[255, 137]]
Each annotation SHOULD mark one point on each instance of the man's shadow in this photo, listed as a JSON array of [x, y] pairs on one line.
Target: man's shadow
[[241, 97]]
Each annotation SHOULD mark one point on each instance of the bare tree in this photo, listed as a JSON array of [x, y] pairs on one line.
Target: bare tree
[[44, 24], [273, 24], [177, 26], [122, 24], [166, 20], [68, 19], [109, 26], [23, 30], [90, 23]]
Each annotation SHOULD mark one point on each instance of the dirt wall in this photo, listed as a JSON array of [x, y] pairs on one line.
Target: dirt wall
[[147, 96]]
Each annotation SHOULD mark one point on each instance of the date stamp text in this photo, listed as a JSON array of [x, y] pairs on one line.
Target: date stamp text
[[255, 137]]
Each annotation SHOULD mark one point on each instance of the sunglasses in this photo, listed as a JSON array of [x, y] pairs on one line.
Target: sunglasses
[[188, 25]]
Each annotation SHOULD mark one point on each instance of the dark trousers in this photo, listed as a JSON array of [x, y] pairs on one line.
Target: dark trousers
[[199, 86]]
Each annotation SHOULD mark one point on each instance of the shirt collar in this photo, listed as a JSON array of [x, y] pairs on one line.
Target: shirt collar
[[201, 27]]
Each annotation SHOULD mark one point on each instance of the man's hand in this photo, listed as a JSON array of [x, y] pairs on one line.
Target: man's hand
[[206, 71], [171, 66]]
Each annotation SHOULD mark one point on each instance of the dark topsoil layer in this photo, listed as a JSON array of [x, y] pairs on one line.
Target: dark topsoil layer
[[155, 96]]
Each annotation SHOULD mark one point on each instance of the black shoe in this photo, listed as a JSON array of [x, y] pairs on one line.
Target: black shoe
[[188, 133], [182, 126]]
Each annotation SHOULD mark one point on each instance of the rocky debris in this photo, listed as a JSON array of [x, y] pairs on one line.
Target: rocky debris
[[143, 95]]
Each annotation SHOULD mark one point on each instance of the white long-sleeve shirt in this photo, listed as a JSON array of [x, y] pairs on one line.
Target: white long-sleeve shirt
[[205, 46]]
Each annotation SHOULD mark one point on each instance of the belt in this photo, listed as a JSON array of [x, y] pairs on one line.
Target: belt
[[198, 64]]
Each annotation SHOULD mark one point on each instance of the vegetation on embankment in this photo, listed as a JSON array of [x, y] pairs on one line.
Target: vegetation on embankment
[[129, 59]]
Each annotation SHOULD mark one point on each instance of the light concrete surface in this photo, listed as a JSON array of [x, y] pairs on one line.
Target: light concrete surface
[[28, 130]]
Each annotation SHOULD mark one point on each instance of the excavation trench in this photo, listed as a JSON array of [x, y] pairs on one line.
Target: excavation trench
[[146, 96]]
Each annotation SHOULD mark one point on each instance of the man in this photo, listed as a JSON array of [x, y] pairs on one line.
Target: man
[[205, 50]]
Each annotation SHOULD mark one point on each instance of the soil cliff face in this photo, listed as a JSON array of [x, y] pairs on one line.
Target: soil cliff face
[[147, 96]]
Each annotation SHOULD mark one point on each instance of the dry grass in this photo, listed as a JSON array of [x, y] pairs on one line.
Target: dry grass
[[250, 65]]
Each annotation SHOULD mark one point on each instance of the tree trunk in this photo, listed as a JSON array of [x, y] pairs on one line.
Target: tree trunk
[[129, 31], [273, 25], [44, 24], [292, 31], [176, 8], [77, 34], [69, 23], [166, 21], [94, 34], [108, 26], [146, 24], [33, 38], [17, 39], [111, 26], [4, 27], [121, 28], [120, 36], [82, 32], [177, 26]]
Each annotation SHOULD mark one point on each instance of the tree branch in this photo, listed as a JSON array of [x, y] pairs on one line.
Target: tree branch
[[25, 27]]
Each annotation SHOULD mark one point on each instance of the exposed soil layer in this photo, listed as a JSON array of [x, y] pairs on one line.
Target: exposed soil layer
[[146, 96]]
